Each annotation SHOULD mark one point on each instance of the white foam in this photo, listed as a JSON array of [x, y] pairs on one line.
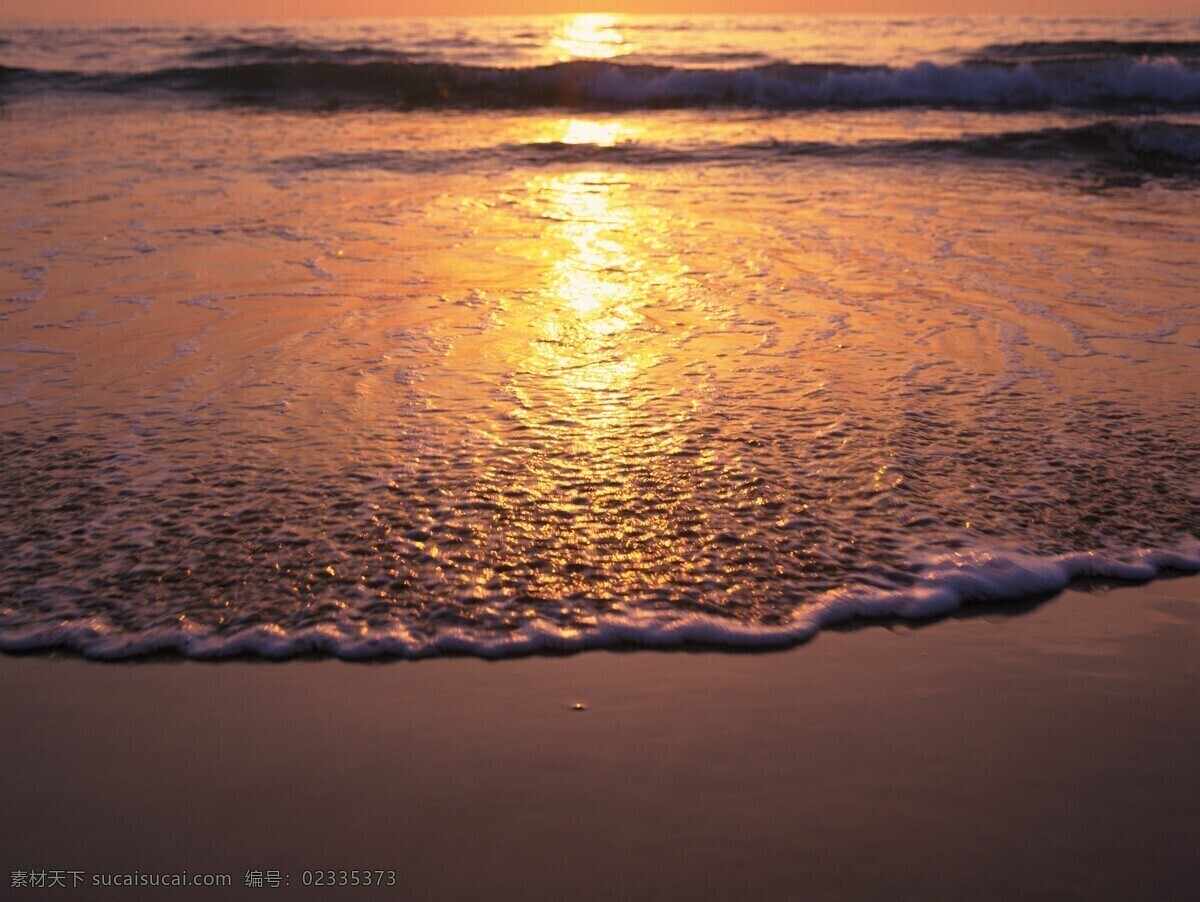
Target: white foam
[[947, 583]]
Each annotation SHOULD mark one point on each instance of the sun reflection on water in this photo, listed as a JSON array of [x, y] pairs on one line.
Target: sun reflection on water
[[590, 36], [596, 406], [578, 481], [593, 293], [591, 131]]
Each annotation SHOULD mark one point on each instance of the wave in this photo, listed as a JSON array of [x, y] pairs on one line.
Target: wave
[[235, 51], [946, 584], [1155, 146], [1110, 84]]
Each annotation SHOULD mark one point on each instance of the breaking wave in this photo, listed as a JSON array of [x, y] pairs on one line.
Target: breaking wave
[[294, 76]]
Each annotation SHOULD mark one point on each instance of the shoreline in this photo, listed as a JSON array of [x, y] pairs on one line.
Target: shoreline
[[1047, 753]]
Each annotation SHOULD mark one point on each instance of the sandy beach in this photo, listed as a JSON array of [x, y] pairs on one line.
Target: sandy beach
[[1043, 752]]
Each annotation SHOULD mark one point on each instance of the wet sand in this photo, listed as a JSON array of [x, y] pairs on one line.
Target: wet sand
[[1043, 752]]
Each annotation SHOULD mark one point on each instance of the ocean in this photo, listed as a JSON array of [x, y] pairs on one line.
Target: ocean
[[407, 337]]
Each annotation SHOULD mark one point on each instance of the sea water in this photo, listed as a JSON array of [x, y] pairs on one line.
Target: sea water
[[492, 336]]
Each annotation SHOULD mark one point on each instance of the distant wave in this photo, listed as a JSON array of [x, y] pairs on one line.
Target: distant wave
[[1151, 146], [13, 73], [234, 51], [945, 585], [1042, 51], [1110, 84]]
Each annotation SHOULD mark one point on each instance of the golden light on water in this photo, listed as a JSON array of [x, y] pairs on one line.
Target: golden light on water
[[588, 277], [592, 294], [590, 36], [590, 374], [590, 131]]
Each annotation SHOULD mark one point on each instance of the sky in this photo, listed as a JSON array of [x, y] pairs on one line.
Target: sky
[[282, 9]]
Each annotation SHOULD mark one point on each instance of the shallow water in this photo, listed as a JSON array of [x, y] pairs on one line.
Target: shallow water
[[278, 377]]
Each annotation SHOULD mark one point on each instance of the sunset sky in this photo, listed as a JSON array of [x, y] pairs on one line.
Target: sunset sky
[[281, 9]]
